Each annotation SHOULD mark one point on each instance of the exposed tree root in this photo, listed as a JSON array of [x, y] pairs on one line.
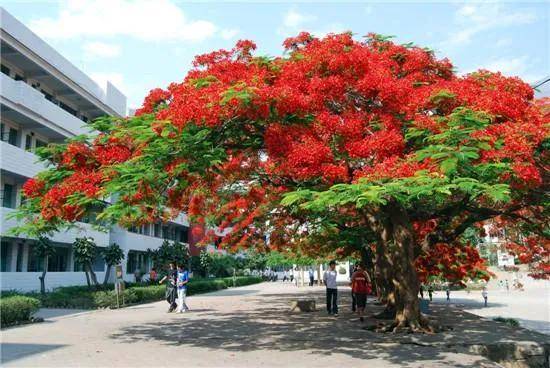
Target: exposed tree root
[[422, 325]]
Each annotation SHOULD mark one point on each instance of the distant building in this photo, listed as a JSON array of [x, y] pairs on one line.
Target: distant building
[[46, 99]]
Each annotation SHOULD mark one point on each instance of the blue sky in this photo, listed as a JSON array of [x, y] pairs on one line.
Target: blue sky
[[143, 44]]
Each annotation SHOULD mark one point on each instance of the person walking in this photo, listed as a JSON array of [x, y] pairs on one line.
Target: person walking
[[311, 277], [171, 287], [360, 282], [353, 300], [421, 291], [183, 279], [153, 275], [448, 292], [430, 292], [329, 277], [285, 275], [485, 294]]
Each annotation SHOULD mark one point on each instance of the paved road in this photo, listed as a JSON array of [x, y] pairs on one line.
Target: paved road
[[243, 327], [531, 307]]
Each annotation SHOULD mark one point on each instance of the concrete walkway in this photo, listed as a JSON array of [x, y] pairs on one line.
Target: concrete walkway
[[242, 327]]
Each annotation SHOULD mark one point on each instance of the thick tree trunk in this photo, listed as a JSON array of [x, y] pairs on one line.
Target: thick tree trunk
[[383, 266], [384, 282], [107, 274], [405, 279]]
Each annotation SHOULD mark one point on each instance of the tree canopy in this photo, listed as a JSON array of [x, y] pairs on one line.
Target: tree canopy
[[336, 146]]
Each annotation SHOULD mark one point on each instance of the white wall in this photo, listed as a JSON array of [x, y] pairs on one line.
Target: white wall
[[28, 281]]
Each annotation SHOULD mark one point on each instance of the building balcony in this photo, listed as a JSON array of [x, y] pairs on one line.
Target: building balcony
[[18, 161], [133, 241], [29, 108], [67, 236]]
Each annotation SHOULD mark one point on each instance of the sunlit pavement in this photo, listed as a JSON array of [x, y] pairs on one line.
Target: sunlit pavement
[[530, 307], [242, 327]]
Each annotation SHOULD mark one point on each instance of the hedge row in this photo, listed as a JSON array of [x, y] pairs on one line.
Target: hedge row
[[16, 309], [82, 298]]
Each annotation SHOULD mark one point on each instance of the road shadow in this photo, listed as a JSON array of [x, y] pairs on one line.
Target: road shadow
[[12, 351], [270, 326], [230, 292]]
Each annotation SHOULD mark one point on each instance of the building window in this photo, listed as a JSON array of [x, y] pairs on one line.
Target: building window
[[98, 264], [137, 260], [183, 237], [35, 263], [7, 196], [28, 142], [157, 231], [5, 255], [58, 262], [40, 143], [5, 70], [67, 108], [20, 250], [146, 229]]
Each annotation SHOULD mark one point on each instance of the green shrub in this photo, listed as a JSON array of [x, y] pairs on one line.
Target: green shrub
[[242, 280], [205, 286], [81, 297], [16, 308], [509, 321]]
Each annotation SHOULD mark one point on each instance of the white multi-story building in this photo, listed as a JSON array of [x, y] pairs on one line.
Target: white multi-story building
[[46, 99]]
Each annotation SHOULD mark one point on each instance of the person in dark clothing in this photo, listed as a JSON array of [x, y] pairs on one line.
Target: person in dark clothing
[[311, 277], [171, 287], [430, 292], [421, 292], [353, 299]]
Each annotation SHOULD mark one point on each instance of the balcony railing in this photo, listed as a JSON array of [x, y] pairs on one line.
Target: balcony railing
[[24, 99]]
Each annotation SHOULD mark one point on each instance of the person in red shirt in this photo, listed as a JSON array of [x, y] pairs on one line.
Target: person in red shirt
[[360, 286]]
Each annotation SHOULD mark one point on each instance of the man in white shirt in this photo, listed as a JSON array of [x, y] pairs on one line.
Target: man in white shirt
[[329, 278]]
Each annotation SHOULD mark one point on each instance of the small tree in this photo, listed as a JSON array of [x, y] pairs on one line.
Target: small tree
[[85, 250], [205, 262], [169, 252], [43, 249], [112, 255]]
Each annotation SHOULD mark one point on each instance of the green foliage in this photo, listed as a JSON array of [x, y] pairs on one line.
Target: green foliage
[[80, 297], [113, 254], [16, 309], [205, 261], [43, 247], [254, 260], [222, 265], [85, 250], [169, 252], [509, 321]]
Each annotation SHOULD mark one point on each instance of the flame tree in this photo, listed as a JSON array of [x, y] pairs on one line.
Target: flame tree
[[338, 146]]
